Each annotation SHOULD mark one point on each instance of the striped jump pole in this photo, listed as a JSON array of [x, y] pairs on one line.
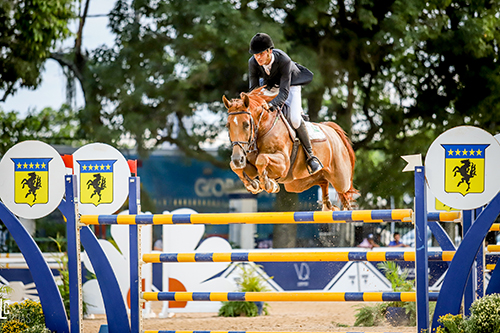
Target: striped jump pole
[[293, 256], [167, 331], [493, 248], [444, 216], [286, 296], [367, 216]]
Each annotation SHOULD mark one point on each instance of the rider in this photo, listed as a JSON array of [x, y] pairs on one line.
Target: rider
[[274, 69]]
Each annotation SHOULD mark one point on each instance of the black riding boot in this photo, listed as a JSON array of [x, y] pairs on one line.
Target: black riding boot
[[312, 161]]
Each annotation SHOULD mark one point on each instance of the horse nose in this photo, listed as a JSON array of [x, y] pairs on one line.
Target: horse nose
[[239, 161]]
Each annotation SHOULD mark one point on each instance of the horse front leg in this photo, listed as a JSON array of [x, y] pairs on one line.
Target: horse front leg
[[250, 181], [270, 165]]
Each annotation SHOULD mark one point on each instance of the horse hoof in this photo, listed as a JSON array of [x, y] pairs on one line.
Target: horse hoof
[[272, 187], [254, 187], [255, 191], [347, 206]]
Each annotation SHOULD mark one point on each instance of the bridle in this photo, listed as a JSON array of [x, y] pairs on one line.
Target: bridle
[[252, 140], [254, 131]]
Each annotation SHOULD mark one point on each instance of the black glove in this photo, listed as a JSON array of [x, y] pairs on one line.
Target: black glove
[[272, 107]]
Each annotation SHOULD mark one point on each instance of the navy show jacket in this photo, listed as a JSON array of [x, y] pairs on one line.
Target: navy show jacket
[[283, 74]]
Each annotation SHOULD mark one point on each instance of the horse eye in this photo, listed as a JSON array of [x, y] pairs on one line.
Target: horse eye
[[246, 125]]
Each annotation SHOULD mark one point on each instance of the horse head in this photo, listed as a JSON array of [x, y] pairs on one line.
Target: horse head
[[240, 125]]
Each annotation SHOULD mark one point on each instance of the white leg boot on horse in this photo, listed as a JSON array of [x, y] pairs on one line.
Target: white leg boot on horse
[[313, 163]]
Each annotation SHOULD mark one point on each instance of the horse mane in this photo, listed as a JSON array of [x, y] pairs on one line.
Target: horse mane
[[256, 98]]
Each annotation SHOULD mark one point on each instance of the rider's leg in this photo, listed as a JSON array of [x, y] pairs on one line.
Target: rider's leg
[[294, 101], [312, 161]]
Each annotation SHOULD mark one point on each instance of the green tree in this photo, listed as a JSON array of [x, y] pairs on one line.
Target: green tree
[[394, 74], [77, 65], [49, 125], [29, 30], [174, 60]]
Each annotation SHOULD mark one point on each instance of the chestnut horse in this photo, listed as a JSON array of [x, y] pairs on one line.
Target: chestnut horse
[[262, 146]]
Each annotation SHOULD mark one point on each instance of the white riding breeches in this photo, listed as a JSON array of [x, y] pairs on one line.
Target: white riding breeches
[[294, 101]]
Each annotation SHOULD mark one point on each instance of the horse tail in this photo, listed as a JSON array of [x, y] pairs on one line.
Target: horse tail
[[347, 143]]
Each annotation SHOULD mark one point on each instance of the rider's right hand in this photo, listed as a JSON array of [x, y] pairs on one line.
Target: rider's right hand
[[266, 106]]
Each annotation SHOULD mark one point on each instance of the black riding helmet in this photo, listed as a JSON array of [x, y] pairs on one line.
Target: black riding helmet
[[260, 42]]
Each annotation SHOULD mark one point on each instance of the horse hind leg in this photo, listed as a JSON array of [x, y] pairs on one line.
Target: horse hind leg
[[326, 203], [346, 204]]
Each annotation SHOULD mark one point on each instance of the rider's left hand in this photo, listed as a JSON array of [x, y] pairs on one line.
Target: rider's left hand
[[272, 107]]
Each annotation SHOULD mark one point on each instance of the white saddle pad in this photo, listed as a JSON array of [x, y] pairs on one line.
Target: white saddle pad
[[315, 133]]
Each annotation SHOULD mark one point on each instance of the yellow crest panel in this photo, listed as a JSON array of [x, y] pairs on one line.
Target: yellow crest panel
[[31, 180], [464, 168], [96, 181]]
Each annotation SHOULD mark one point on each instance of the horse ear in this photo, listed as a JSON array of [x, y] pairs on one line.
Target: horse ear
[[226, 102], [246, 100]]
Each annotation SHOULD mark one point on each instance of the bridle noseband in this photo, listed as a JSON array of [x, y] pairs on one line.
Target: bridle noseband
[[254, 131], [252, 140]]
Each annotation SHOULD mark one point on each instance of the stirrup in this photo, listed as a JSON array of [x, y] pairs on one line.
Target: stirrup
[[310, 168]]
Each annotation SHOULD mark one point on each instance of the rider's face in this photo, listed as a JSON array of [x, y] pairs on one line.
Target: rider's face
[[263, 58]]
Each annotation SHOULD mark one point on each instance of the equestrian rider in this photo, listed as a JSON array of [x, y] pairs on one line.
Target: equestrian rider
[[274, 69]]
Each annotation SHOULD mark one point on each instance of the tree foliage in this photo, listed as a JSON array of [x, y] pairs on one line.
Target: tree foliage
[[173, 60], [28, 32], [394, 74], [48, 125]]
